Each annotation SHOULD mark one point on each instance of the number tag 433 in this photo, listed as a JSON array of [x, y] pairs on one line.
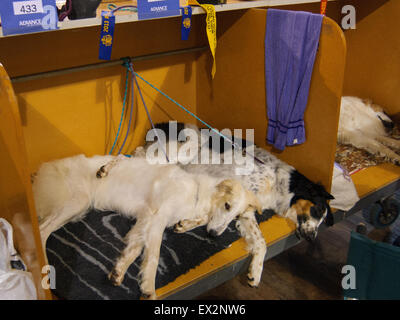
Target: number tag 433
[[26, 16], [27, 7]]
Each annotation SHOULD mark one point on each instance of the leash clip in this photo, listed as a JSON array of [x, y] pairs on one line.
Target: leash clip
[[126, 62]]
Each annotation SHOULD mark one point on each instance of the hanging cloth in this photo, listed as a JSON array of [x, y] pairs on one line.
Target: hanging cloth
[[291, 43]]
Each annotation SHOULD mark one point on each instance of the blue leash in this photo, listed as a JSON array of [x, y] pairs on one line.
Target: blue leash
[[191, 113], [114, 8], [123, 108], [128, 64], [129, 69], [235, 145], [132, 105], [134, 74]]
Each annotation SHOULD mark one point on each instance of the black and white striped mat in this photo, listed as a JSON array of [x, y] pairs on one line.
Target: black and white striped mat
[[83, 254]]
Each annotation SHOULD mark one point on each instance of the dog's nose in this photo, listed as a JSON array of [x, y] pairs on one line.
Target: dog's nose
[[311, 236], [213, 233]]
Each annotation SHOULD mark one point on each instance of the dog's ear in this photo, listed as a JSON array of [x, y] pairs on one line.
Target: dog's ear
[[319, 191], [226, 186], [253, 201], [328, 196]]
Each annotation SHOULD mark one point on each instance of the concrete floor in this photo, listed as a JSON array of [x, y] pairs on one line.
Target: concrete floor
[[306, 271]]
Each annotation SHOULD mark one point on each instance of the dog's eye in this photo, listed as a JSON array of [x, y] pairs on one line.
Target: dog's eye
[[227, 206]]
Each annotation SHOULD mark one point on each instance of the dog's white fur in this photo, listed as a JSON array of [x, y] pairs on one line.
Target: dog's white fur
[[269, 181], [158, 196], [360, 125]]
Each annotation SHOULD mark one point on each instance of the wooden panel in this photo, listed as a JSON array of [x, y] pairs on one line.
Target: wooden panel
[[236, 97], [373, 63], [80, 112], [333, 9], [16, 201], [34, 53]]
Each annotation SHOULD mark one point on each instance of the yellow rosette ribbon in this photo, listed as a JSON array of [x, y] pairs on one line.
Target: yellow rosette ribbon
[[211, 28]]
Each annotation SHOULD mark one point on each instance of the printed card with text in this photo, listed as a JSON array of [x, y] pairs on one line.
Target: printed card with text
[[150, 9], [26, 16]]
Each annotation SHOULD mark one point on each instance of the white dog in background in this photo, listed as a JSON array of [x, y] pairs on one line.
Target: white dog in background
[[365, 125], [158, 196]]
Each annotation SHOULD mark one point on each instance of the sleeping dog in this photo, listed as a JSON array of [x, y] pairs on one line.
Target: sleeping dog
[[278, 186], [158, 196], [366, 126]]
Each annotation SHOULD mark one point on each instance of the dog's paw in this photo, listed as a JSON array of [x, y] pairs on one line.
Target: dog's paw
[[149, 296], [101, 173], [252, 282], [148, 290], [139, 152], [178, 228], [115, 277]]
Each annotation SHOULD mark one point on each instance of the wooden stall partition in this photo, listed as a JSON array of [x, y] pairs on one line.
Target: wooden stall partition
[[57, 50], [236, 97], [79, 112], [16, 199], [373, 58], [373, 72]]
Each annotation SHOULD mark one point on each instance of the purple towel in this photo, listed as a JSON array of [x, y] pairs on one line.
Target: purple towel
[[291, 43]]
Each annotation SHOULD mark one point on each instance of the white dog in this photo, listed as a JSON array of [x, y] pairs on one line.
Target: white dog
[[365, 125], [158, 196]]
